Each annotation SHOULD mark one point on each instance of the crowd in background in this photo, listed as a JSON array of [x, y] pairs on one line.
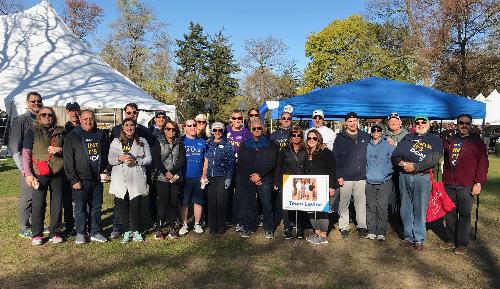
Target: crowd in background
[[197, 176]]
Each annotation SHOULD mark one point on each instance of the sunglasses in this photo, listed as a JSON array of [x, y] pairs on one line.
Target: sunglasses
[[236, 118], [464, 123], [253, 115], [36, 101], [219, 130], [201, 121], [420, 122], [286, 118], [312, 138], [256, 128], [317, 117], [44, 114], [160, 116], [134, 112], [191, 125], [296, 135], [376, 129], [170, 129]]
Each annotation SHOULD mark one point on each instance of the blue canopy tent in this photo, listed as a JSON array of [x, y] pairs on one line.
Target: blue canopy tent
[[377, 97]]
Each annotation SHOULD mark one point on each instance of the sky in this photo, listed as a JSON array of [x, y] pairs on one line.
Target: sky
[[289, 20]]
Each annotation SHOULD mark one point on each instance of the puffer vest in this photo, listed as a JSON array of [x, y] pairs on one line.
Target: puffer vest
[[169, 154], [41, 142]]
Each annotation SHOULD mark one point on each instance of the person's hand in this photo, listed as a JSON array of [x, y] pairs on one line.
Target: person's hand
[[391, 141], [258, 183], [341, 181], [54, 150], [124, 158], [332, 192], [204, 178], [30, 180], [476, 189], [169, 176], [255, 177], [275, 187], [227, 184], [77, 186]]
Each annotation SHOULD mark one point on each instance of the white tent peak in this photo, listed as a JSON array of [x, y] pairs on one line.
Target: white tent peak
[[480, 97], [494, 96], [38, 52]]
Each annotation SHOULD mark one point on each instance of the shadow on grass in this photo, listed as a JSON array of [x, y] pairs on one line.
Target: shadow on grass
[[4, 167]]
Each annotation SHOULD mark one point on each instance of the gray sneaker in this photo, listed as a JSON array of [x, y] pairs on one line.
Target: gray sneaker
[[28, 234], [80, 239], [319, 240], [98, 238], [312, 238], [269, 235], [115, 234]]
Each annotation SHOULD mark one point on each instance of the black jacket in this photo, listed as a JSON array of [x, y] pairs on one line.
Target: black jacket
[[351, 155], [76, 163], [19, 128], [289, 163], [260, 158], [323, 163]]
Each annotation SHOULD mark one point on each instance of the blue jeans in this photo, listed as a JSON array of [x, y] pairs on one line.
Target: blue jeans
[[415, 192], [88, 205], [249, 204]]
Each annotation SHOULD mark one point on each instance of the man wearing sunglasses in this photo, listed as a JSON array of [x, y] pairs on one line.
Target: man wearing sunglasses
[[328, 134], [19, 128], [415, 154], [465, 172], [159, 122]]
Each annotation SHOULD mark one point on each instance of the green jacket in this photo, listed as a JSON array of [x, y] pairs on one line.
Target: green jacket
[[41, 142]]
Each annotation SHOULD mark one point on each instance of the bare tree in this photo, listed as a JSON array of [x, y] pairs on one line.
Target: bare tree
[[82, 17], [10, 6]]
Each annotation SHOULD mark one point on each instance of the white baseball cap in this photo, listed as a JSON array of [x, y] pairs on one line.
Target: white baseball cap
[[318, 112]]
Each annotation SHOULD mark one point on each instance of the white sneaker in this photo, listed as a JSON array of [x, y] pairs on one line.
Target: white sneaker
[[381, 237], [184, 230], [198, 229], [371, 236]]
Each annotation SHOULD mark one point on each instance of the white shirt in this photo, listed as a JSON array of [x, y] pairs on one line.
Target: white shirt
[[327, 134]]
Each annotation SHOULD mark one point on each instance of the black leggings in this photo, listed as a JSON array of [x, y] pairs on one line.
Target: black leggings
[[130, 212], [167, 203], [39, 203], [217, 203]]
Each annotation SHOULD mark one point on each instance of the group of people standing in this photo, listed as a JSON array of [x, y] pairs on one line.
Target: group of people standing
[[232, 175]]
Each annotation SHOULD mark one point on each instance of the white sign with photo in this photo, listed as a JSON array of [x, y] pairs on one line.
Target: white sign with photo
[[306, 193]]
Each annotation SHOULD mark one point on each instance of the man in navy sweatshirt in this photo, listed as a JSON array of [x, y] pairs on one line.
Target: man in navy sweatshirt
[[415, 154]]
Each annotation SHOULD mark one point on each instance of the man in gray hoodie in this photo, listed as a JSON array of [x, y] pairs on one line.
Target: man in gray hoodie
[[20, 125]]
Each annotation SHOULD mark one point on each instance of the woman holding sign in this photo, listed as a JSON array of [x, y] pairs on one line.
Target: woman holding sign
[[320, 161], [291, 161]]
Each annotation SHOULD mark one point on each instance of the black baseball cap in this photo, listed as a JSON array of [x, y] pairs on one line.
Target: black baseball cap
[[351, 115], [72, 106], [160, 112]]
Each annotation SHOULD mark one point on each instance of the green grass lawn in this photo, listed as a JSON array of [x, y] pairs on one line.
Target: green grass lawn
[[205, 261]]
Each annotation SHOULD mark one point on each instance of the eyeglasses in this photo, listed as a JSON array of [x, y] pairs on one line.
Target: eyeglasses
[[312, 138], [201, 121], [160, 116], [296, 135], [253, 115], [256, 128], [420, 122], [464, 123], [170, 129], [376, 129], [286, 118], [236, 118], [134, 112], [219, 130], [191, 125], [36, 101], [44, 114], [317, 117]]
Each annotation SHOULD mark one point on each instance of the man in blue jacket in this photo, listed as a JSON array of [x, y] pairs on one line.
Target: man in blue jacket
[[350, 153], [414, 156]]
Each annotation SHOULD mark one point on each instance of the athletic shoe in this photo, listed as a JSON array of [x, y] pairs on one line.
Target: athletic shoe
[[98, 238], [362, 232], [344, 233], [126, 237], [406, 243], [371, 236], [115, 234], [460, 250], [137, 237], [198, 229], [173, 234], [447, 246], [46, 230], [56, 239], [184, 230], [381, 237], [80, 239], [288, 234], [36, 241], [229, 224], [269, 235], [159, 235], [300, 234], [246, 234], [321, 240], [239, 228], [28, 234], [312, 238]]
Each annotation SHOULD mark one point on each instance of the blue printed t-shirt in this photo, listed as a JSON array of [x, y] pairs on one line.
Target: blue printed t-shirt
[[237, 137], [415, 148], [195, 155], [91, 143]]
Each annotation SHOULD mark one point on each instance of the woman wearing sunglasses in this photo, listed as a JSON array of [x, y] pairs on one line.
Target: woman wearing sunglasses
[[218, 169], [320, 161], [291, 161], [129, 155], [379, 184], [169, 156], [43, 169]]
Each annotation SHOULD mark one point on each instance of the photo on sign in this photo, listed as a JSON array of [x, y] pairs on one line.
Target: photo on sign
[[306, 192], [304, 189]]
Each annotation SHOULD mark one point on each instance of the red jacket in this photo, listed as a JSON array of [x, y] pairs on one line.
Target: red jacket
[[472, 163]]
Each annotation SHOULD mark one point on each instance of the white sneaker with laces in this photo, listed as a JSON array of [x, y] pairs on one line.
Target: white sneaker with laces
[[381, 237], [198, 229], [371, 236], [184, 230]]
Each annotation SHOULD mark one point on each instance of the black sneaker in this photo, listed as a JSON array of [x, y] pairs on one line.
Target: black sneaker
[[344, 234], [362, 233], [288, 234], [300, 234], [246, 234]]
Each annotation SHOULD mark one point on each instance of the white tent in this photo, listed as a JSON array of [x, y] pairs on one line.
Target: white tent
[[39, 53], [480, 97], [493, 108]]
